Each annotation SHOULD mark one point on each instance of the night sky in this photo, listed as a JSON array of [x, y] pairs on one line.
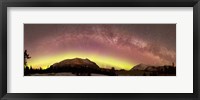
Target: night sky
[[109, 45]]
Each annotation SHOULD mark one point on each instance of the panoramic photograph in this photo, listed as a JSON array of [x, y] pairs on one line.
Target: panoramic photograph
[[99, 50]]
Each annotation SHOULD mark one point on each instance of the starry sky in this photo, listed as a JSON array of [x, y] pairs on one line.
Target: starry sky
[[109, 45]]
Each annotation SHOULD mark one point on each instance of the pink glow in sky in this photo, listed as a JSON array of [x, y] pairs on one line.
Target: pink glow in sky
[[153, 44]]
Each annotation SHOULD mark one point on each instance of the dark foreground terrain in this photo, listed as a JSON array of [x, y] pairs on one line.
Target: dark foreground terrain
[[85, 71]]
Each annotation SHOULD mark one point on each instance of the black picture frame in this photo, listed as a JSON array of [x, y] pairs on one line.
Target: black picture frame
[[99, 3]]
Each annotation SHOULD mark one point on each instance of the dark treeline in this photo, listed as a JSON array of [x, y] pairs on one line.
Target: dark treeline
[[76, 70], [161, 71], [86, 71], [156, 71]]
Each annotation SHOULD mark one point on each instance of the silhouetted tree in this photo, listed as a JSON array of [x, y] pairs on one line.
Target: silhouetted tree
[[26, 70], [26, 56], [31, 68]]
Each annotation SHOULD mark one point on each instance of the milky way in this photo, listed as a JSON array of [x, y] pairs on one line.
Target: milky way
[[152, 44]]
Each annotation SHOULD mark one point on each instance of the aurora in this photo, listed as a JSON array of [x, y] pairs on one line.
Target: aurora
[[121, 46], [45, 62]]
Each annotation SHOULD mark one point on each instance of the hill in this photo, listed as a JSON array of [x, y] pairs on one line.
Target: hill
[[76, 62], [154, 70]]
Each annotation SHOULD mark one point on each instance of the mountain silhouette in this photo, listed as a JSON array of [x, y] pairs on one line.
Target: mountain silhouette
[[140, 67], [143, 67], [79, 67], [76, 62]]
